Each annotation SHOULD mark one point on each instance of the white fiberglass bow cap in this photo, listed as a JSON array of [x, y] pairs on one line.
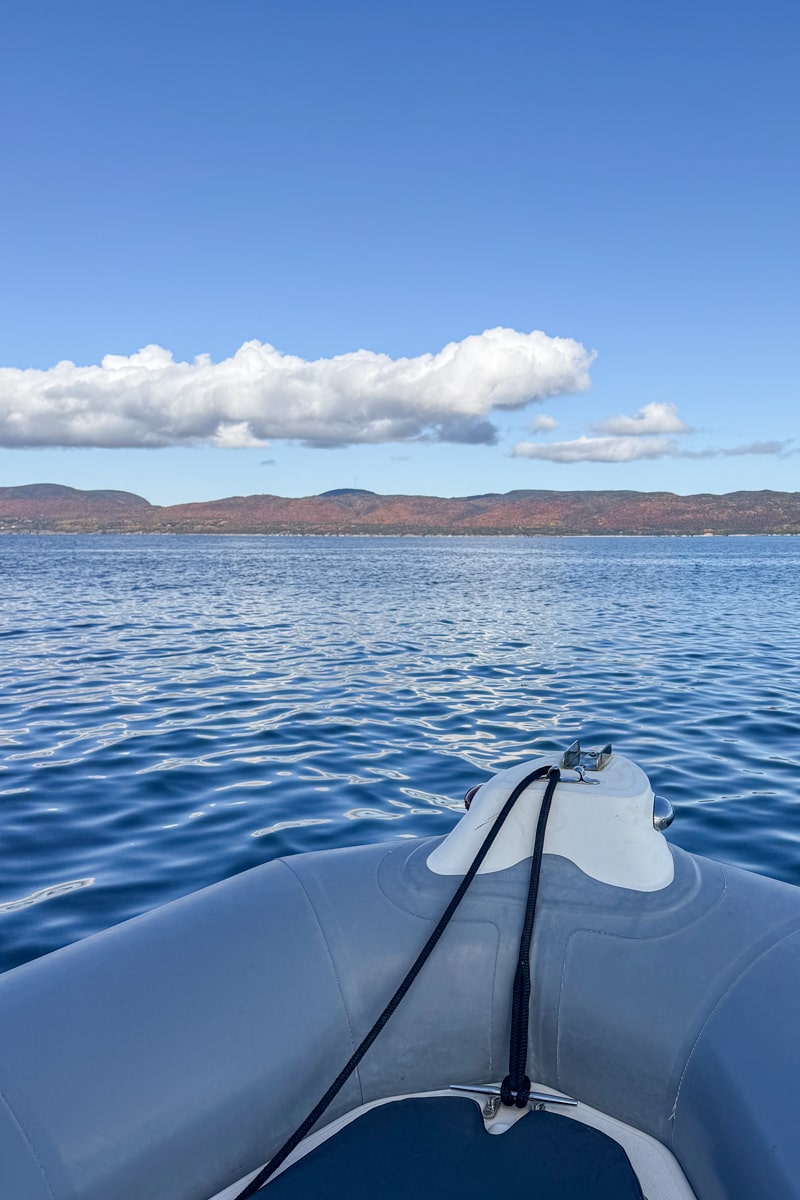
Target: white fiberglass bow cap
[[602, 820]]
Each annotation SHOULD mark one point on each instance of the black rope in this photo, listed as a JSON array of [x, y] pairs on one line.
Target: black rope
[[347, 1070], [516, 1087]]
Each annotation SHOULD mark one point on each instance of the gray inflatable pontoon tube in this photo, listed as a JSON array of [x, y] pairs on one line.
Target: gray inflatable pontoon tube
[[173, 1054]]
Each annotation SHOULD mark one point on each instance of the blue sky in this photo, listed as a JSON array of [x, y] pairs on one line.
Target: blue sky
[[398, 179]]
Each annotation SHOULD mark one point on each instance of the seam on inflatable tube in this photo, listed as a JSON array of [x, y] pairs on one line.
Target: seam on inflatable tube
[[331, 960], [403, 908], [654, 937], [558, 1015], [432, 918], [493, 1005], [734, 983], [28, 1143], [625, 937]]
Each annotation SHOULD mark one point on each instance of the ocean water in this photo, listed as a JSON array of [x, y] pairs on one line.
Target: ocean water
[[174, 710]]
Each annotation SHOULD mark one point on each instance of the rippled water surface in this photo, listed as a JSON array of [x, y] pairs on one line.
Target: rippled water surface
[[174, 710]]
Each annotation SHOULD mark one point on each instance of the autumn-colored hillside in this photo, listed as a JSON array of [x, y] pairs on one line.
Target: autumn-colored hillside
[[51, 508]]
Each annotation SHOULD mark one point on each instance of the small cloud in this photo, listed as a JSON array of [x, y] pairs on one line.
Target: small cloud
[[543, 424], [781, 449], [651, 419], [598, 449], [763, 448]]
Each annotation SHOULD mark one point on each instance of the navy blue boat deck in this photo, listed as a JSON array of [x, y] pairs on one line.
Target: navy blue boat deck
[[439, 1147]]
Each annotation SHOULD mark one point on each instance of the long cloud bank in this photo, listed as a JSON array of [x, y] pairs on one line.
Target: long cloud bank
[[631, 449], [259, 394], [599, 449]]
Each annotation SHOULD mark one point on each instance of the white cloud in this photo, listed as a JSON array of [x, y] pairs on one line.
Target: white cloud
[[623, 438], [543, 424], [599, 449], [629, 449], [148, 399], [781, 448], [651, 419]]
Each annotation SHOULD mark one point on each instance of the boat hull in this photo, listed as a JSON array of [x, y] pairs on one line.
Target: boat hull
[[172, 1054]]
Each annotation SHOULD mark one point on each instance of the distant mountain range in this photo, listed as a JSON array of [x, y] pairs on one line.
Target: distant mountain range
[[51, 508]]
